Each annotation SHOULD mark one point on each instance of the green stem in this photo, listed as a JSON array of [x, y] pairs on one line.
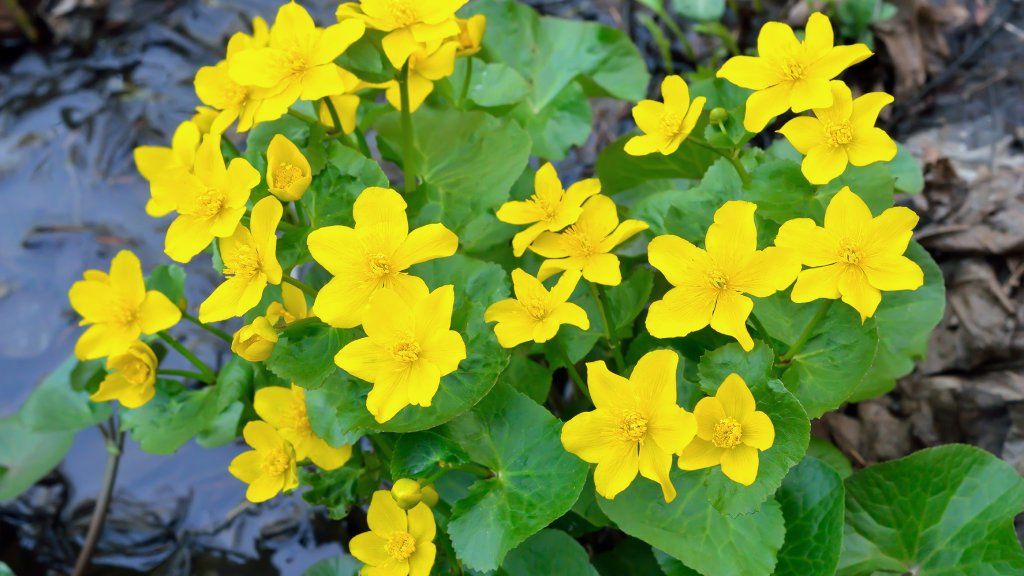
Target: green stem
[[407, 135], [182, 373], [209, 376], [334, 115], [299, 284], [823, 308], [216, 332], [300, 213], [609, 333], [736, 163], [466, 82], [227, 143], [305, 118], [574, 374], [475, 469]]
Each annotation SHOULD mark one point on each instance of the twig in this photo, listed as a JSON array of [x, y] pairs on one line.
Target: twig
[[115, 446]]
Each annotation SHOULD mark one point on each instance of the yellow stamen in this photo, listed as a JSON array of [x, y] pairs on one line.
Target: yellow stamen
[[578, 241], [406, 349], [400, 546], [244, 263], [209, 203], [536, 307], [839, 134], [671, 124], [380, 265], [296, 418], [137, 372], [793, 69], [285, 175], [727, 434], [849, 252], [634, 426], [718, 280], [275, 462]]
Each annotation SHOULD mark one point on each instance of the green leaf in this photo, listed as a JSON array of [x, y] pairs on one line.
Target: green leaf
[[689, 213], [874, 184], [234, 392], [627, 300], [946, 510], [565, 122], [535, 480], [754, 366], [672, 567], [907, 172], [337, 411], [828, 454], [492, 84], [421, 454], [548, 552], [700, 9], [330, 197], [529, 377], [172, 418], [337, 490], [812, 504], [56, 406], [304, 353], [366, 59], [27, 455], [692, 531], [630, 557], [5, 570], [338, 566], [620, 171], [169, 279]]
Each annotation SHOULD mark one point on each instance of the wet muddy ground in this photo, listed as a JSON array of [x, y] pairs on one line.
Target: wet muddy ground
[[120, 76]]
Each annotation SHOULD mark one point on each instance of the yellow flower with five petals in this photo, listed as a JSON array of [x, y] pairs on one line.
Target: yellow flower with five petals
[[157, 163], [118, 308], [375, 254], [535, 313], [269, 468], [730, 432], [409, 346], [790, 74], [250, 263], [426, 66], [587, 245], [855, 256], [665, 125], [285, 410], [842, 134], [131, 376], [399, 543], [288, 172], [410, 24], [709, 285], [551, 208], [636, 426]]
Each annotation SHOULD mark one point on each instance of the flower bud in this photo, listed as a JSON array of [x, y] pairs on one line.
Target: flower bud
[[407, 493], [430, 496], [255, 342], [718, 115]]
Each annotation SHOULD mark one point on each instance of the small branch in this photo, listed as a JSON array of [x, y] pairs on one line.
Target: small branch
[[334, 114], [736, 163], [115, 446], [574, 374]]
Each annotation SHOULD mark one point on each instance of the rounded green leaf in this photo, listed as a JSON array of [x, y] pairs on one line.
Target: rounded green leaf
[[812, 504], [548, 552]]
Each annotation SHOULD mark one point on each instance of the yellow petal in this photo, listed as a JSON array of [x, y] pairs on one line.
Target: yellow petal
[[126, 277], [739, 464], [766, 104], [813, 245], [288, 171], [847, 216], [519, 213], [526, 238], [858, 292], [336, 39], [592, 436], [576, 195], [675, 93], [614, 474], [264, 488], [380, 213], [446, 350], [294, 300], [607, 390], [515, 326], [103, 340], [867, 107], [750, 72], [816, 283], [654, 379], [767, 272], [840, 107], [342, 302], [683, 310], [890, 232], [261, 436], [624, 231], [422, 561], [776, 40], [566, 285], [893, 273], [656, 464], [730, 317], [700, 454], [838, 59], [421, 523], [732, 238], [672, 427], [157, 313], [871, 145], [550, 245], [432, 314], [599, 217], [647, 114], [602, 269], [642, 145], [818, 36], [328, 457], [384, 515], [569, 313], [804, 133], [810, 93], [369, 548], [186, 237], [236, 296], [272, 403], [426, 243], [758, 431], [824, 163], [246, 466], [708, 412], [398, 46], [364, 359], [266, 215], [338, 249], [546, 184], [676, 258], [736, 399]]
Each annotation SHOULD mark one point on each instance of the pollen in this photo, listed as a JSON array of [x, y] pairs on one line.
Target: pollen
[[244, 263], [633, 426], [125, 315], [297, 62], [839, 134], [727, 433], [404, 13], [718, 280], [550, 209], [536, 307], [138, 372], [793, 69], [406, 349], [380, 265], [849, 252], [296, 418], [400, 546], [671, 124], [579, 242], [285, 175], [209, 203], [275, 462]]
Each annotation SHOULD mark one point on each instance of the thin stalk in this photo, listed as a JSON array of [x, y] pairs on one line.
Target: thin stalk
[[736, 163], [574, 374], [305, 118], [466, 82], [300, 213], [475, 469], [209, 376], [823, 308], [298, 284], [407, 135], [181, 373], [215, 331], [334, 115], [609, 333], [115, 447]]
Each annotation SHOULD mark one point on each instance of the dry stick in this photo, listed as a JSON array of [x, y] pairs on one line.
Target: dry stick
[[115, 446]]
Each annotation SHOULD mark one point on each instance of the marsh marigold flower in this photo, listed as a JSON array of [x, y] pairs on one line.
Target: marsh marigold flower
[[233, 101], [211, 200], [587, 245], [854, 256], [255, 341], [204, 119], [298, 62], [117, 308], [730, 432], [709, 285], [250, 263], [471, 34], [399, 543], [409, 347], [665, 125], [285, 410], [788, 73], [550, 209], [636, 425], [346, 104], [288, 171], [426, 66], [269, 468], [157, 163], [410, 24], [842, 134], [373, 255], [535, 313], [131, 376]]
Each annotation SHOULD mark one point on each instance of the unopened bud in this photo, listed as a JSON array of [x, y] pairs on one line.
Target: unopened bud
[[407, 493], [430, 496], [718, 115]]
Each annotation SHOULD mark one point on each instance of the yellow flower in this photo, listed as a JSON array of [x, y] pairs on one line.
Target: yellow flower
[[407, 493], [426, 66], [345, 104], [288, 171], [259, 38], [471, 34], [729, 432], [232, 100], [709, 285], [285, 410], [269, 467], [373, 255], [551, 208], [843, 134], [292, 309], [255, 341], [250, 263], [855, 256], [399, 543], [157, 163], [298, 63], [536, 314], [636, 425], [117, 308], [130, 377], [665, 125], [204, 119], [788, 73], [408, 348], [587, 245], [410, 24], [211, 200]]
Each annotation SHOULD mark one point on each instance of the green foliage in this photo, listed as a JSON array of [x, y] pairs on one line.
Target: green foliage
[[811, 498], [700, 9], [423, 454], [57, 406], [301, 350], [337, 566], [548, 552], [169, 279], [26, 455]]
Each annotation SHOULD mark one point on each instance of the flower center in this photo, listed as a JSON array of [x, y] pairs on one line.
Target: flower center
[[298, 62], [380, 265], [275, 462], [849, 253], [536, 307], [839, 134], [286, 175], [125, 315], [406, 349], [671, 124], [400, 546], [579, 241], [138, 373], [550, 209], [245, 263], [718, 280], [634, 426], [235, 95], [295, 418], [727, 434], [209, 203], [793, 69], [403, 13]]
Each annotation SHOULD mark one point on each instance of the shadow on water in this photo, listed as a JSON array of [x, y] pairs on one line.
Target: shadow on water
[[69, 119]]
